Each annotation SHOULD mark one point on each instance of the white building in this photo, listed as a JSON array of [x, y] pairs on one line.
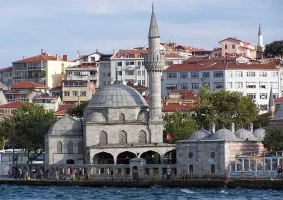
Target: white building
[[254, 80], [49, 103], [129, 65]]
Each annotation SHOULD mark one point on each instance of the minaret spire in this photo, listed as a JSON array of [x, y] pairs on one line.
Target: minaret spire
[[153, 28], [259, 30]]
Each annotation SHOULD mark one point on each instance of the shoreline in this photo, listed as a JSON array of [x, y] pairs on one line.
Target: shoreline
[[249, 184]]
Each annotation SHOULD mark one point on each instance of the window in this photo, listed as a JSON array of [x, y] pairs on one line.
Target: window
[[229, 74], [80, 147], [218, 74], [66, 93], [121, 117], [129, 72], [83, 93], [263, 74], [142, 137], [225, 46], [122, 137], [103, 138], [250, 74], [274, 74], [212, 154], [233, 46], [218, 85], [184, 85], [238, 85], [263, 95], [212, 169], [274, 85], [275, 95], [169, 63], [229, 85], [238, 74], [191, 155], [252, 95], [130, 63], [205, 74], [119, 63], [59, 147], [191, 169], [194, 74], [108, 74], [70, 147], [251, 85], [263, 85], [195, 86], [127, 55], [206, 84], [171, 75], [171, 86], [141, 55], [75, 93], [183, 74]]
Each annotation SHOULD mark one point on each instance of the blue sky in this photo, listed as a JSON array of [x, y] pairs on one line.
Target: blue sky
[[68, 26]]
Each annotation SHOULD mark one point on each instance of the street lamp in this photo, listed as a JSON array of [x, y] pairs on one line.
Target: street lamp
[[13, 134]]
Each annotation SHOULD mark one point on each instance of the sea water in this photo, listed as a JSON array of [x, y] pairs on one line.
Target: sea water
[[12, 192]]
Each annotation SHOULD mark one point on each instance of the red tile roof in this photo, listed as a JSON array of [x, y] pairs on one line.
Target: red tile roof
[[134, 53], [280, 99], [172, 107], [137, 87], [38, 58], [63, 109], [6, 69], [84, 66], [173, 55], [230, 38], [56, 88], [14, 104], [183, 47], [27, 85]]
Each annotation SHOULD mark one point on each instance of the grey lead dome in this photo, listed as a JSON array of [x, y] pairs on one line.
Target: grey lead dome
[[117, 95]]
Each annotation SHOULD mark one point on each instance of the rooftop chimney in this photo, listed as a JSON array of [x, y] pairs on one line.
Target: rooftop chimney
[[65, 57], [212, 127], [251, 127], [57, 57], [232, 127], [24, 57]]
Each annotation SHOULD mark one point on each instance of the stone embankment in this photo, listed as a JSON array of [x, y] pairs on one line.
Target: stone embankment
[[252, 184]]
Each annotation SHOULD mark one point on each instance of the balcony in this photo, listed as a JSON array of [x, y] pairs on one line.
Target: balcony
[[82, 78]]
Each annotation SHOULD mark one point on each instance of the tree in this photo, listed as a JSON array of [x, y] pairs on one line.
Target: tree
[[258, 48], [30, 123], [78, 110], [180, 125], [5, 130], [273, 139], [224, 107], [274, 49]]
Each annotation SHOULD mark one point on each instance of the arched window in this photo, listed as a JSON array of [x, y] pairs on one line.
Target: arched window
[[70, 147], [103, 138], [122, 137], [59, 147], [121, 117], [142, 137], [80, 147]]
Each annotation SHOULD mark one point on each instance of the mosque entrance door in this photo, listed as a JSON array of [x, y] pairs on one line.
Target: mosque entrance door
[[151, 157], [125, 157], [103, 158]]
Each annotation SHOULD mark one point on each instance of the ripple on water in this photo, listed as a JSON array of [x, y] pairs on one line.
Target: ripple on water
[[155, 192]]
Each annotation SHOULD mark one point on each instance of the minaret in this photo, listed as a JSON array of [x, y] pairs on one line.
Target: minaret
[[271, 104], [154, 64], [260, 38]]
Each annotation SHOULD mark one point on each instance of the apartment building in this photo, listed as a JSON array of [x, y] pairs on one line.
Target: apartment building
[[49, 103], [254, 80], [25, 91], [129, 65], [45, 69], [6, 76]]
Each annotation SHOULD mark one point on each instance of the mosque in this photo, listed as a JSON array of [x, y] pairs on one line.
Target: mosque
[[118, 124]]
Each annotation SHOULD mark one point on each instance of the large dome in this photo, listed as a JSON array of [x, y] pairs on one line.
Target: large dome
[[117, 95]]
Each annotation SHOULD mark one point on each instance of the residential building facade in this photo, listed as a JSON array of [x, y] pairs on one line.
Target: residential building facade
[[49, 103], [6, 76], [254, 80], [45, 69]]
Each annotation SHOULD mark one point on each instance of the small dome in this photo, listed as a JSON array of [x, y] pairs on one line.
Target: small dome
[[279, 113], [117, 95], [199, 134], [66, 126], [97, 117], [245, 134], [223, 134], [259, 133]]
